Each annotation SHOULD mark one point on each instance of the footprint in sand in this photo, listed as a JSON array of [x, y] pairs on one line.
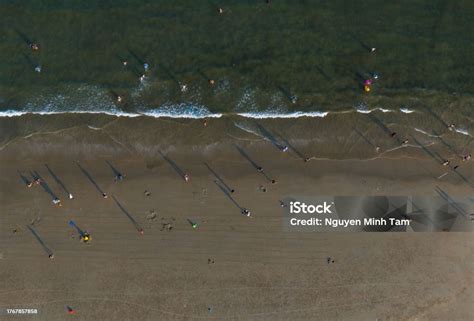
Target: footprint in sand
[[151, 216]]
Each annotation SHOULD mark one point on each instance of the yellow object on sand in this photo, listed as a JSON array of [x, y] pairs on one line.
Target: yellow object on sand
[[366, 88]]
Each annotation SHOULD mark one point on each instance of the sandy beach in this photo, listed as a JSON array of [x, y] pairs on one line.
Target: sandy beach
[[150, 152], [230, 267]]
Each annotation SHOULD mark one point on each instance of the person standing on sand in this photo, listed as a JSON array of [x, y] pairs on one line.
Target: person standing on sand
[[57, 201]]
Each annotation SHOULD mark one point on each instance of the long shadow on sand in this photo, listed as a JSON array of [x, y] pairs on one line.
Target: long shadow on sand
[[43, 184], [255, 165], [269, 136], [433, 154], [450, 147], [40, 241], [86, 173], [58, 181], [25, 180], [365, 138], [432, 113], [294, 149], [129, 216], [229, 196], [77, 228], [229, 189], [177, 169], [382, 126], [452, 202], [117, 174]]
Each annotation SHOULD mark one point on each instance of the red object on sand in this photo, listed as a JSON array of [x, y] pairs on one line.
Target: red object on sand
[[71, 311]]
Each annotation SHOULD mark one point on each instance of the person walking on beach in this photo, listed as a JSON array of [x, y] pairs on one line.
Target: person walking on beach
[[186, 178], [246, 212], [57, 202]]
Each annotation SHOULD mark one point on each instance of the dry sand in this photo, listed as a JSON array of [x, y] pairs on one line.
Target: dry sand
[[259, 271]]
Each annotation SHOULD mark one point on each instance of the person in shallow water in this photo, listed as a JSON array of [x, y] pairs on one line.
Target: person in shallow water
[[34, 46]]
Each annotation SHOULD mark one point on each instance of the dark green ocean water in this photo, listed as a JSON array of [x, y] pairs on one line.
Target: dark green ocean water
[[282, 57]]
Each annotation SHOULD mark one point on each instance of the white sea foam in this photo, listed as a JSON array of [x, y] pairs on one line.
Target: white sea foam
[[170, 113], [298, 114], [463, 131], [365, 110], [16, 113], [406, 110]]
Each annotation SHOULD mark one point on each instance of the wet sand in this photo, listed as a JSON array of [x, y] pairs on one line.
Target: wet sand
[[256, 270]]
